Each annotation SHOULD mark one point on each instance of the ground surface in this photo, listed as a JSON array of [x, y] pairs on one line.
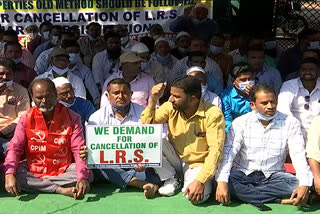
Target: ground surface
[[108, 199]]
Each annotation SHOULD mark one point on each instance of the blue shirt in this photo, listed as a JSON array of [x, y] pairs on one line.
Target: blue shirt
[[84, 108], [271, 77], [41, 48], [233, 105], [85, 74]]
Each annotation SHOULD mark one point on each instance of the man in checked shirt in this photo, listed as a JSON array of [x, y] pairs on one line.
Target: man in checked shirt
[[257, 146]]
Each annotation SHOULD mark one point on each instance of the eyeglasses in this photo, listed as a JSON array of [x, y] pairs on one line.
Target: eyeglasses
[[307, 100], [66, 93]]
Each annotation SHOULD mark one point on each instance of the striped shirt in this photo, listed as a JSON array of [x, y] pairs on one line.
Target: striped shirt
[[251, 147]]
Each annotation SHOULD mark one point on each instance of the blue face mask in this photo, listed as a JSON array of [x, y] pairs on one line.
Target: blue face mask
[[68, 105], [144, 65], [163, 59], [74, 58], [215, 49], [92, 38], [264, 118], [120, 109], [183, 50]]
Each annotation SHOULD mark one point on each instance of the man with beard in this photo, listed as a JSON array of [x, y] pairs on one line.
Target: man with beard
[[196, 137], [141, 83], [107, 62], [195, 21], [183, 41], [300, 97], [126, 42], [91, 45], [49, 136]]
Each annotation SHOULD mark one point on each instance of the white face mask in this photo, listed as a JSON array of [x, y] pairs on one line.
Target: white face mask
[[45, 35], [203, 89], [197, 21], [54, 40], [215, 49], [270, 45], [17, 60], [124, 40], [93, 39], [243, 85], [155, 37], [74, 58], [60, 71], [262, 117], [33, 35], [183, 50], [68, 105]]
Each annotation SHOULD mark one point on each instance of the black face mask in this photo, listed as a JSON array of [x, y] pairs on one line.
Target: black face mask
[[114, 54]]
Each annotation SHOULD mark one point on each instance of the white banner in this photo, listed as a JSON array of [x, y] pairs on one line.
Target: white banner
[[138, 15], [124, 146]]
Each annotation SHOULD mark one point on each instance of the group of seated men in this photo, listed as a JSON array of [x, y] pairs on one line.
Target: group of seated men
[[234, 144]]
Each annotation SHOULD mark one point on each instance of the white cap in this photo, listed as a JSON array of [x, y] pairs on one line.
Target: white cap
[[203, 5], [59, 81], [182, 33], [161, 39], [195, 68], [140, 48]]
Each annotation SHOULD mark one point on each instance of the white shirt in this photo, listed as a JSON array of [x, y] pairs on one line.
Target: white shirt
[[250, 147], [292, 101], [237, 57], [211, 97], [141, 87], [105, 115], [129, 45], [76, 82], [103, 67]]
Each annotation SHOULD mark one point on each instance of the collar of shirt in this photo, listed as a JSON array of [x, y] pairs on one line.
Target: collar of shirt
[[50, 74], [200, 111], [138, 77], [273, 123], [10, 88], [263, 70], [301, 85], [132, 112], [234, 94], [111, 60]]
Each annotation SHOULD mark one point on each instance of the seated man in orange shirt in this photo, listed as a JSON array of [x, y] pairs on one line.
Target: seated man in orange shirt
[[14, 101]]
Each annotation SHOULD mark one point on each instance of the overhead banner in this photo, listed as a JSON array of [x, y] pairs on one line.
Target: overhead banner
[[124, 146], [137, 15]]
